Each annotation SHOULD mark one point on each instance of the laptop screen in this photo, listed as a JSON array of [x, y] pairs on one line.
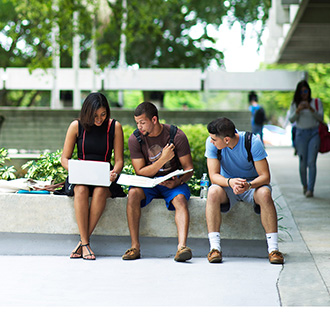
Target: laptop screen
[[88, 172]]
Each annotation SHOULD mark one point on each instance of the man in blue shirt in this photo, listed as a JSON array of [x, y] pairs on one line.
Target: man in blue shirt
[[234, 179], [257, 122]]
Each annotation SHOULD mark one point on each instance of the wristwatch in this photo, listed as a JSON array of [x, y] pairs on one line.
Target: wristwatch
[[250, 185]]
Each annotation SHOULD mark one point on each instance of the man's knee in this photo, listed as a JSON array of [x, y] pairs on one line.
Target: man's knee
[[263, 195], [216, 194], [180, 202]]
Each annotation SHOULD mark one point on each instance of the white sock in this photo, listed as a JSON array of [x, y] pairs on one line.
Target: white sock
[[214, 239], [272, 241]]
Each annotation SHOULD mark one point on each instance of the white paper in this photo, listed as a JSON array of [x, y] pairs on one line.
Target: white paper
[[145, 182]]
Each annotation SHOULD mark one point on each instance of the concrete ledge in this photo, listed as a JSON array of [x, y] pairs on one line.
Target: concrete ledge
[[49, 217]]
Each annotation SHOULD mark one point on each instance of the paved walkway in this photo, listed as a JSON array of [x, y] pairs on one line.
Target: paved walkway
[[303, 281]]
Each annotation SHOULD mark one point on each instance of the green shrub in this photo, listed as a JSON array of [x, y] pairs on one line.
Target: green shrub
[[47, 167], [128, 130], [6, 172], [197, 135]]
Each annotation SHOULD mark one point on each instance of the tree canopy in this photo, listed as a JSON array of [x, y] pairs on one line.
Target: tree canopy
[[157, 32]]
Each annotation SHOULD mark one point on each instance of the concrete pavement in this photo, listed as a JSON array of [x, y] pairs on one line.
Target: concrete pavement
[[109, 281], [305, 279]]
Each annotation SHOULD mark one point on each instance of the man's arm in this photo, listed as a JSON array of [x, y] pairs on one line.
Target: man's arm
[[213, 166], [151, 170], [263, 178]]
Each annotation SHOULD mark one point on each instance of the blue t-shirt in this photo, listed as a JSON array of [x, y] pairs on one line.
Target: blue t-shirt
[[234, 163], [253, 109]]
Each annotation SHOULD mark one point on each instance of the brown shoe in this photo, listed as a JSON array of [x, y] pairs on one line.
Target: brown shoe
[[183, 254], [131, 254], [214, 256], [276, 257]]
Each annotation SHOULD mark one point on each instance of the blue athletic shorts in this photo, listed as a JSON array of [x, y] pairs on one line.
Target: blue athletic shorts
[[166, 193], [246, 197]]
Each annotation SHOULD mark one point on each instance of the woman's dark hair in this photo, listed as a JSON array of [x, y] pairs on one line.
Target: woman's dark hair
[[253, 96], [222, 127], [92, 103], [297, 93], [147, 108]]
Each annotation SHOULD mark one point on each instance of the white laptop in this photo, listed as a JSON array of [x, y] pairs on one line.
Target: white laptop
[[89, 172]]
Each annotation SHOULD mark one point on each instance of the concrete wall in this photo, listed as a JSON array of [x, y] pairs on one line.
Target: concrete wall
[[46, 129]]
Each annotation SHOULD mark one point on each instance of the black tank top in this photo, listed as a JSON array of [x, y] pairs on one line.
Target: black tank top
[[97, 143]]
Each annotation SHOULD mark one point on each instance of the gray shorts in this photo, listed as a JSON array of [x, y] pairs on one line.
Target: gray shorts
[[246, 196]]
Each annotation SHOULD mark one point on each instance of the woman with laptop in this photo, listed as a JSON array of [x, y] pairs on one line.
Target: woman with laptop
[[96, 135]]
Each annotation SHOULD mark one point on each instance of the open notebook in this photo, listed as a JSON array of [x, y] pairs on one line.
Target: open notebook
[[145, 182], [89, 172]]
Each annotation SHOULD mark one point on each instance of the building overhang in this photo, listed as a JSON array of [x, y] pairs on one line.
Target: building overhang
[[299, 32]]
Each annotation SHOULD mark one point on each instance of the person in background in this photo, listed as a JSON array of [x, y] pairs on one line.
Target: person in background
[[236, 179], [258, 116], [307, 113], [96, 135], [154, 156]]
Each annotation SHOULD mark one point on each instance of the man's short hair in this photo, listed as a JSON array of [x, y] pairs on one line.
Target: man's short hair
[[222, 127], [146, 108], [253, 96]]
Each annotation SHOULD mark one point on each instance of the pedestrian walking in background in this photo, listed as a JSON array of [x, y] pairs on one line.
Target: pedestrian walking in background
[[258, 115], [307, 113]]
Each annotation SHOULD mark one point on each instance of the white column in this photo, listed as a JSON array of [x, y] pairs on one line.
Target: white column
[[76, 63], [55, 93], [122, 55]]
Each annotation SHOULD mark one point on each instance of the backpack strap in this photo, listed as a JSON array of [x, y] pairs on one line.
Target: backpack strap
[[317, 104], [138, 137], [247, 143], [173, 131], [219, 155]]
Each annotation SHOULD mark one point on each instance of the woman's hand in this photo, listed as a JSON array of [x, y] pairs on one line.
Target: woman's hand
[[302, 105], [113, 176]]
